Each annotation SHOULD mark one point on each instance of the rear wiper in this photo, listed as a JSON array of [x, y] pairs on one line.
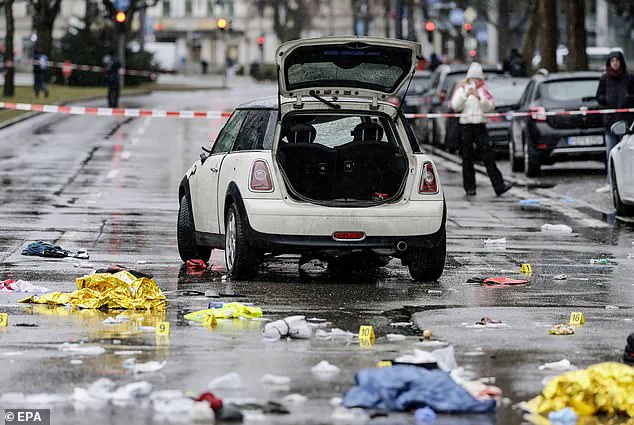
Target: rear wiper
[[324, 101]]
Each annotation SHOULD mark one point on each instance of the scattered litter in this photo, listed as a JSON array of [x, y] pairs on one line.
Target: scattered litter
[[196, 267], [562, 329], [565, 416], [128, 353], [201, 413], [427, 334], [334, 333], [211, 400], [341, 415], [494, 244], [81, 349], [228, 311], [84, 265], [149, 367], [323, 368], [419, 357], [229, 381], [560, 365], [294, 399], [611, 307], [106, 291], [276, 380], [131, 392], [587, 391], [45, 249], [443, 358], [602, 261], [172, 402], [21, 286], [26, 325], [524, 202], [560, 277], [395, 337], [473, 353], [403, 388], [424, 415], [402, 324], [556, 228], [290, 327], [434, 291], [336, 401]]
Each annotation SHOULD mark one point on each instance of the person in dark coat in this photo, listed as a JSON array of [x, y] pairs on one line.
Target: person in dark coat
[[616, 90], [113, 66], [434, 62], [514, 64], [40, 63]]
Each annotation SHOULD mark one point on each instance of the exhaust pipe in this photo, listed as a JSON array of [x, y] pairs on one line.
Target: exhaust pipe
[[401, 246]]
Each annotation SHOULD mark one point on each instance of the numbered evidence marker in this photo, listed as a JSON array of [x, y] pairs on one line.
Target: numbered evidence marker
[[526, 269], [163, 329], [366, 333], [210, 321], [384, 363], [576, 318], [4, 320]]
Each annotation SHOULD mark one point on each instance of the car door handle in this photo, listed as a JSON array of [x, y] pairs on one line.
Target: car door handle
[[213, 170]]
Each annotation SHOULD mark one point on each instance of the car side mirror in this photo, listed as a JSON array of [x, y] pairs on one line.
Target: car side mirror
[[619, 128], [205, 154]]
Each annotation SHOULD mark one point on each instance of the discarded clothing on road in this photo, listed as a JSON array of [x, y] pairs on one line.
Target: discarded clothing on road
[[105, 291], [12, 285], [227, 311], [497, 281], [604, 388], [45, 249], [196, 267], [403, 388]]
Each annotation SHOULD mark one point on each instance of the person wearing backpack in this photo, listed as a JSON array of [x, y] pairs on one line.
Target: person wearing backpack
[[40, 63]]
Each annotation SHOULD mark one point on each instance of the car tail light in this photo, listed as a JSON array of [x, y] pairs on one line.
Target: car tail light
[[394, 100], [260, 177], [442, 96], [348, 235], [428, 184], [537, 113], [541, 146]]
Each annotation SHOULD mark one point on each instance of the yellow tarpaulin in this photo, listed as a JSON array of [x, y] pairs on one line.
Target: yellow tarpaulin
[[105, 291], [605, 388], [227, 311]]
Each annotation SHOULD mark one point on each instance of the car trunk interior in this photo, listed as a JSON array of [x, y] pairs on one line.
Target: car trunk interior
[[341, 159]]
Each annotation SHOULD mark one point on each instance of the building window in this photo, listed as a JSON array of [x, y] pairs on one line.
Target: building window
[[188, 7], [210, 7], [167, 9]]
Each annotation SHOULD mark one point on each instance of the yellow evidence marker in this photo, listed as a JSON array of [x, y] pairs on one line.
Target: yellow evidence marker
[[526, 268], [163, 329], [4, 320], [576, 318]]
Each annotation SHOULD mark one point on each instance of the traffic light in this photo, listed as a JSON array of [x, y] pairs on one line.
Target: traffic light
[[473, 53], [468, 27], [121, 19], [260, 41], [222, 24], [430, 26]]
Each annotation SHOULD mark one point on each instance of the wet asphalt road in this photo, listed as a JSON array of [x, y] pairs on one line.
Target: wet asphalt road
[[110, 185]]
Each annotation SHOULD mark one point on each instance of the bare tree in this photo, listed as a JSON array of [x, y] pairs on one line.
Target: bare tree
[[291, 17], [576, 35], [44, 14], [548, 34], [9, 69], [529, 42]]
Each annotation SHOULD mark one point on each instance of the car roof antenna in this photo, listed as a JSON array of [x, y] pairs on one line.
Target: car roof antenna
[[400, 106]]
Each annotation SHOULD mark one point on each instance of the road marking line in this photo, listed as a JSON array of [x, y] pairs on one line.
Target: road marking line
[[112, 174]]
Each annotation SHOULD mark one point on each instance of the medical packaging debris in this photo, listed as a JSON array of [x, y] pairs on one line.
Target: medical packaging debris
[[276, 380], [495, 244], [403, 388], [562, 329], [290, 327], [105, 291], [443, 358], [561, 365], [325, 369], [230, 381], [566, 416], [294, 399], [556, 228], [227, 311], [334, 333], [45, 249], [424, 415], [601, 261], [604, 388], [81, 349], [560, 277], [12, 285], [149, 367]]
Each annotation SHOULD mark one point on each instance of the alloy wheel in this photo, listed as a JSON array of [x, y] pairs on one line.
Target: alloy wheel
[[230, 241]]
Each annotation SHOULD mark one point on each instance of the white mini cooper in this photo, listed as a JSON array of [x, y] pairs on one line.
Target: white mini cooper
[[328, 169]]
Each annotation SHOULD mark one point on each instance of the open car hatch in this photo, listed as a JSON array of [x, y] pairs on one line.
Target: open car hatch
[[368, 67]]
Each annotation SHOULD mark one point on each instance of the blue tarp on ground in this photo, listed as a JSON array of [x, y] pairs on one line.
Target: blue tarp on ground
[[401, 388]]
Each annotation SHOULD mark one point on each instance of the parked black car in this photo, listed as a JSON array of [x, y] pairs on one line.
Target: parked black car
[[439, 93], [541, 139], [414, 98], [506, 93]]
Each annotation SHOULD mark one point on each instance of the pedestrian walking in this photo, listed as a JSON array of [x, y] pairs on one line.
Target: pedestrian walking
[[616, 90], [472, 99], [113, 66], [434, 62], [40, 63], [514, 64]]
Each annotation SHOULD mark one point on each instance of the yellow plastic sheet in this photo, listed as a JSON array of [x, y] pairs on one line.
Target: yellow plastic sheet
[[105, 291], [605, 388], [227, 311]]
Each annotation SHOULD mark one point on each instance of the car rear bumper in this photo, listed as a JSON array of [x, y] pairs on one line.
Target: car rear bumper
[[279, 226], [554, 144]]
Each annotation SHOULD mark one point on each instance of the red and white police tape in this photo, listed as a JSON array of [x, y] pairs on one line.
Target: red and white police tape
[[157, 113]]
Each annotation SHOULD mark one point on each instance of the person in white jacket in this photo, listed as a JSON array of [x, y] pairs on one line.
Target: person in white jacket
[[472, 99]]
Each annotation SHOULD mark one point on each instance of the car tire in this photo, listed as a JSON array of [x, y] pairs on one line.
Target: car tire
[[186, 236], [621, 208], [427, 264], [532, 165], [517, 164], [241, 260]]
